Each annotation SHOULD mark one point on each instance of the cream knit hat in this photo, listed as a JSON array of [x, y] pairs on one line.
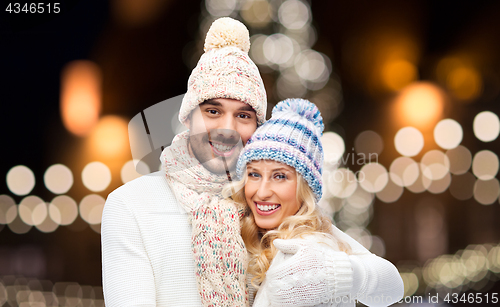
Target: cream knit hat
[[226, 71]]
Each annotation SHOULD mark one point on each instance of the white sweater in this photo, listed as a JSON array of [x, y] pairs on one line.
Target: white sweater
[[147, 259]]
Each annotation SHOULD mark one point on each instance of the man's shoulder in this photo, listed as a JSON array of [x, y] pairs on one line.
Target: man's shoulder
[[149, 190]]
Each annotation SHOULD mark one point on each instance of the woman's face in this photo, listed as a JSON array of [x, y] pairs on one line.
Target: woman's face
[[271, 192]]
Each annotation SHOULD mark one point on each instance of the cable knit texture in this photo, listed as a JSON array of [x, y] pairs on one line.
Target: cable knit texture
[[327, 277], [218, 249], [226, 71]]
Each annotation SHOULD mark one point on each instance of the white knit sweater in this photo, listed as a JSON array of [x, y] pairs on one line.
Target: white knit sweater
[[147, 258]]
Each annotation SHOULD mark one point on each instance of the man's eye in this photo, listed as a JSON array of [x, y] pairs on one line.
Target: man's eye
[[244, 116], [213, 112]]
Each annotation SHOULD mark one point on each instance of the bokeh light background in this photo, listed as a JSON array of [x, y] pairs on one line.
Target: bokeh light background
[[409, 92]]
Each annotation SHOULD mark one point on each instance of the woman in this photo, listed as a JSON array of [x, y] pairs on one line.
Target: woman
[[281, 184]]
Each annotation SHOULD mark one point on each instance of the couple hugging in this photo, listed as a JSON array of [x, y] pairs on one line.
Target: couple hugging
[[232, 217]]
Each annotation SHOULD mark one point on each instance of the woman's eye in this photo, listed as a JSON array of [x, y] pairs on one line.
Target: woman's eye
[[253, 175], [280, 176]]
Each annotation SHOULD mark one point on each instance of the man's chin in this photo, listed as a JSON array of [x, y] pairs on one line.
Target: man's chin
[[220, 166]]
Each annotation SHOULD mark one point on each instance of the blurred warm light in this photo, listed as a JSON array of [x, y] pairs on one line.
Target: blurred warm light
[[398, 73], [63, 210], [80, 96], [435, 165], [448, 134], [20, 180], [465, 83], [485, 165], [462, 186], [420, 104], [486, 191], [256, 13], [313, 68], [278, 48], [8, 209], [91, 208], [18, 226], [404, 171], [373, 177], [109, 139], [220, 7], [486, 126], [294, 14], [58, 179], [421, 184], [96, 176], [378, 246], [32, 210], [130, 172], [257, 50], [362, 235], [333, 147], [410, 281], [440, 185], [289, 84], [390, 193], [342, 183], [368, 142], [360, 200], [409, 141], [138, 13], [47, 225], [460, 160]]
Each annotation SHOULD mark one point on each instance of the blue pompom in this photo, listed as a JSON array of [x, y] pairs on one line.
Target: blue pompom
[[302, 107]]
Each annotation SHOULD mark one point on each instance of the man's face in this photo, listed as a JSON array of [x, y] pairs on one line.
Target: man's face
[[218, 130]]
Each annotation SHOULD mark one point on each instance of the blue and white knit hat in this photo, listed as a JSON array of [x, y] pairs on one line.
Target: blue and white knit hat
[[291, 136]]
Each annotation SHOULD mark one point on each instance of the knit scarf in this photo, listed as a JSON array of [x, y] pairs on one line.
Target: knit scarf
[[219, 252]]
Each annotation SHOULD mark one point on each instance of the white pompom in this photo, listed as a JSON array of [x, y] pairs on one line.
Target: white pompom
[[225, 32]]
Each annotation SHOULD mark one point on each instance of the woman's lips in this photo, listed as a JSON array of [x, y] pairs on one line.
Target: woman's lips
[[260, 212]]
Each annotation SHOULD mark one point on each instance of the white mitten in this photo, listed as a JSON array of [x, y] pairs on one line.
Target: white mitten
[[307, 273]]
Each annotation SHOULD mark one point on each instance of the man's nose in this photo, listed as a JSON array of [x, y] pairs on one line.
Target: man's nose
[[227, 127]]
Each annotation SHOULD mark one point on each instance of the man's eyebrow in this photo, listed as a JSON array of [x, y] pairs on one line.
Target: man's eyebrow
[[246, 107], [212, 103]]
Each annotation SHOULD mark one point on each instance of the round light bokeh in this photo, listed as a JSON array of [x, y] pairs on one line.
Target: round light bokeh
[[486, 191], [20, 180], [409, 141], [373, 177], [257, 50], [460, 160], [333, 147], [278, 48], [435, 165], [63, 210], [390, 193], [96, 176], [448, 134], [342, 183], [440, 185], [462, 186], [485, 165], [58, 179], [8, 209], [47, 225], [486, 126], [32, 210], [404, 171], [313, 69], [129, 170], [421, 184], [294, 14], [91, 208], [220, 8], [360, 199], [368, 143]]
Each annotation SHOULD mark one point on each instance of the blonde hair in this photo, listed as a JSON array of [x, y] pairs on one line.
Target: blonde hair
[[307, 220]]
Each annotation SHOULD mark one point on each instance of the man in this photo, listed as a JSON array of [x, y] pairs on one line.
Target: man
[[157, 233]]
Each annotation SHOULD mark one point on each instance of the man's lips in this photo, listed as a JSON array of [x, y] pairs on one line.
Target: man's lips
[[222, 153]]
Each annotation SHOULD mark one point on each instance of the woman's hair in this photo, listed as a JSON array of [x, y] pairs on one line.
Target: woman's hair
[[307, 220]]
